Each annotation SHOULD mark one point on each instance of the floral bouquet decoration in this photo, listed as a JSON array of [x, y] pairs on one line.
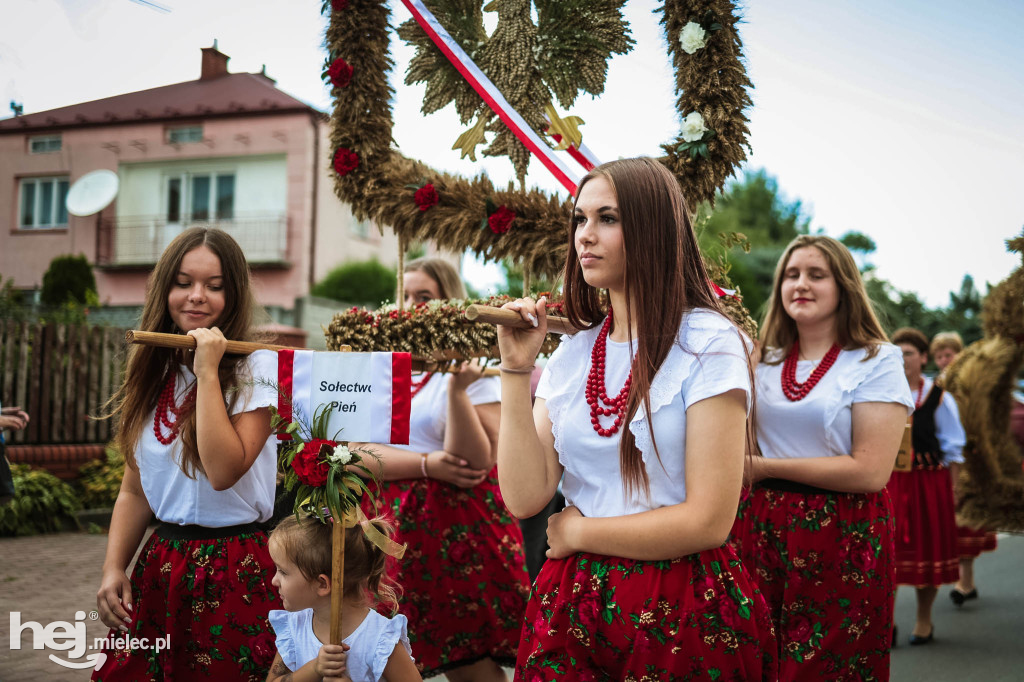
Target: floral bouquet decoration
[[321, 470]]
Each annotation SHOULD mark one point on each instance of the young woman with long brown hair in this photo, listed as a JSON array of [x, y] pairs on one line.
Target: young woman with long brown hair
[[464, 572], [817, 527], [195, 433], [644, 412]]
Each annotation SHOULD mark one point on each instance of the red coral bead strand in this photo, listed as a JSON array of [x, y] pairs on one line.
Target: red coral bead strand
[[165, 407], [795, 390], [596, 391]]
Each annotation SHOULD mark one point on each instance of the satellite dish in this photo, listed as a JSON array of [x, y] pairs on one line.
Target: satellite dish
[[92, 192]]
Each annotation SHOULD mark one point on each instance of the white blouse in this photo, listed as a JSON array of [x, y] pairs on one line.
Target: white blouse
[[708, 359], [822, 423], [948, 428], [428, 413], [372, 642], [176, 498]]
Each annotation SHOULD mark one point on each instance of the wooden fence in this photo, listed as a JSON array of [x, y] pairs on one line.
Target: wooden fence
[[62, 375]]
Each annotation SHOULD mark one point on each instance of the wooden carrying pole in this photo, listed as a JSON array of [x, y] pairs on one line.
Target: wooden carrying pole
[[337, 577], [511, 318], [185, 342]]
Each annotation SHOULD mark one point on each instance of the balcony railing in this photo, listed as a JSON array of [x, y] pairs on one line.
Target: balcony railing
[[139, 240]]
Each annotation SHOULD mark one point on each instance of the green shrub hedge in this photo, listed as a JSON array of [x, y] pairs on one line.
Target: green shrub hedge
[[42, 504]]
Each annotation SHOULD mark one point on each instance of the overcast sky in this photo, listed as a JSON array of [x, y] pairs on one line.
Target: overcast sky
[[903, 119]]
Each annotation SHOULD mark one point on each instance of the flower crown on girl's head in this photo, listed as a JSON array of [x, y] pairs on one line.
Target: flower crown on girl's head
[[322, 472]]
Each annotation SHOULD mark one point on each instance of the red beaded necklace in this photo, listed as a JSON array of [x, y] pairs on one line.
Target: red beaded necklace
[[165, 407], [793, 389], [417, 386], [596, 393]]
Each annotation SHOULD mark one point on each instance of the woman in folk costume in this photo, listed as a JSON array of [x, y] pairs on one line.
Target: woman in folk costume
[[644, 413], [464, 572], [970, 543], [926, 545], [194, 427], [816, 528]]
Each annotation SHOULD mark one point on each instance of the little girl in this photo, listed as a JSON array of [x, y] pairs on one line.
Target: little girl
[[375, 647]]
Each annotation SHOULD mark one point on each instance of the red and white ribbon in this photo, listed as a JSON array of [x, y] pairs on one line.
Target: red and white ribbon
[[491, 95], [583, 155]]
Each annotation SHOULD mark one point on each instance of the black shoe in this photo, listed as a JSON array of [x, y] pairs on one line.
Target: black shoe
[[916, 640], [958, 598]]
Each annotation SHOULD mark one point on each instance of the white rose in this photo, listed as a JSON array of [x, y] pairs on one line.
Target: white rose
[[341, 455], [693, 127], [692, 38]]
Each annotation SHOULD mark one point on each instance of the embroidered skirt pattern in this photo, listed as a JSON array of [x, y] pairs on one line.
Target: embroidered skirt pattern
[[212, 598], [463, 576], [594, 618], [824, 562]]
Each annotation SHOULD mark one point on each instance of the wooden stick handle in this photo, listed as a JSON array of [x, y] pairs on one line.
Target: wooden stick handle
[[337, 577], [510, 318], [185, 342]]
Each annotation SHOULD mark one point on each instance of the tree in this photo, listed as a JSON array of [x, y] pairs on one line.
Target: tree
[[361, 283], [753, 209], [68, 279]]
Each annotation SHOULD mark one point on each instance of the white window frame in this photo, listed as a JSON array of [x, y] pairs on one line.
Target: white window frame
[[185, 205], [44, 144], [189, 134], [55, 202]]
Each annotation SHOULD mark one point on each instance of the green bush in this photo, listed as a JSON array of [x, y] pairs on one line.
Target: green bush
[[68, 279], [100, 480], [42, 504], [362, 282]]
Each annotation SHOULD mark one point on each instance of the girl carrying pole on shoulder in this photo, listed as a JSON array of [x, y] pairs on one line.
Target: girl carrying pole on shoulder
[[194, 427], [645, 415]]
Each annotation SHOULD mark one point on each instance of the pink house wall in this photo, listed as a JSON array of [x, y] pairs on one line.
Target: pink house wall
[[26, 254]]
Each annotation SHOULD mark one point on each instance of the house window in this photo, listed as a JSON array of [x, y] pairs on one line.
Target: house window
[[184, 134], [200, 196], [42, 203], [42, 144]]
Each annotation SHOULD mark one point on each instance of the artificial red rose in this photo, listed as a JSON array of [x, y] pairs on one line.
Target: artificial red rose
[[800, 628], [345, 161], [426, 196], [340, 73], [410, 611], [501, 220], [263, 649], [460, 553], [309, 466], [339, 5]]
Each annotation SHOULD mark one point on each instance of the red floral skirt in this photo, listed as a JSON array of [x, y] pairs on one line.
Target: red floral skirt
[[824, 562], [211, 597], [596, 618], [971, 543], [463, 576], [926, 546]]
